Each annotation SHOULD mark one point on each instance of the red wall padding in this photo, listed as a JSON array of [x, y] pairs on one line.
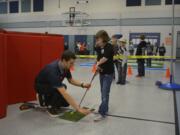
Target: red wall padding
[[3, 94], [25, 54], [51, 49], [23, 63]]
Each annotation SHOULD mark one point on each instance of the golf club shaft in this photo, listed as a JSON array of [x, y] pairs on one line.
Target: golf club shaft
[[87, 89]]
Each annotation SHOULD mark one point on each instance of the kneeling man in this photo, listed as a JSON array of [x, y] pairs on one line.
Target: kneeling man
[[50, 88]]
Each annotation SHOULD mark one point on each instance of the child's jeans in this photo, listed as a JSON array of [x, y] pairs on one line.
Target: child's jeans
[[105, 82]]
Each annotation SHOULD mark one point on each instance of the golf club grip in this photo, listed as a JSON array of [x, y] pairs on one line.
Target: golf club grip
[[87, 89]]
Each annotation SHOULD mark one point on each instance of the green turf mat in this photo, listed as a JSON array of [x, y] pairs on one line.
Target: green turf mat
[[73, 116]]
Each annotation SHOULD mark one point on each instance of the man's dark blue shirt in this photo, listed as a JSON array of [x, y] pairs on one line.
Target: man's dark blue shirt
[[52, 75]]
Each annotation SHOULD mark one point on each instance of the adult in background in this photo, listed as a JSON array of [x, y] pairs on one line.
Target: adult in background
[[162, 50], [140, 52]]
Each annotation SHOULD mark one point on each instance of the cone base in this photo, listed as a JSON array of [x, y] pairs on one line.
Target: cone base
[[170, 86]]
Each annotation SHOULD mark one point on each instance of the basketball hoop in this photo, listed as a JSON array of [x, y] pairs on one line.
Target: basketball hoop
[[75, 18]]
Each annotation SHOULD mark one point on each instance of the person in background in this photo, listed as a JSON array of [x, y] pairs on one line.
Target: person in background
[[76, 47], [149, 50], [122, 62], [162, 50], [155, 49], [105, 67], [49, 85], [140, 52], [131, 48], [82, 49], [66, 46], [114, 42]]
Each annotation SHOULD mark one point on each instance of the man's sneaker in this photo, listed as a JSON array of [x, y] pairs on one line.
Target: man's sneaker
[[53, 112], [99, 117]]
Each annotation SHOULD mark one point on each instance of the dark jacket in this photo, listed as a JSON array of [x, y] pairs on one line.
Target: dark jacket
[[162, 50], [141, 50]]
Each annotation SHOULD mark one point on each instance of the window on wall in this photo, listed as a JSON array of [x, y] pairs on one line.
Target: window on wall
[[3, 7], [25, 5], [14, 6], [133, 3], [152, 2], [168, 2], [38, 5]]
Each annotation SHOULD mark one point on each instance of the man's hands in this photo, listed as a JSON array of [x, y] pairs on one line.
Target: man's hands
[[87, 85], [84, 111]]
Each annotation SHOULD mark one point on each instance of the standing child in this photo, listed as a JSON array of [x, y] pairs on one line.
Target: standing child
[[122, 63], [106, 69]]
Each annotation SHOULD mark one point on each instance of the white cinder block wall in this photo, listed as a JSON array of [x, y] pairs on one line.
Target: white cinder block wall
[[98, 9]]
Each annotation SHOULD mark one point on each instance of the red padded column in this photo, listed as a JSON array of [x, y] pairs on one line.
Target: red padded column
[[23, 64], [52, 48], [3, 94]]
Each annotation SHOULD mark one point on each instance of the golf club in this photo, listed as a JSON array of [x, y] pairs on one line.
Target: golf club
[[88, 88]]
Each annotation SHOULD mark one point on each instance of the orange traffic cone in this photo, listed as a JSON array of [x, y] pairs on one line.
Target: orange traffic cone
[[94, 68], [72, 69], [168, 73], [129, 72]]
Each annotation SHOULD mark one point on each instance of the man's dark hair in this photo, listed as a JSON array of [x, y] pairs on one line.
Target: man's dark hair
[[67, 55], [104, 35]]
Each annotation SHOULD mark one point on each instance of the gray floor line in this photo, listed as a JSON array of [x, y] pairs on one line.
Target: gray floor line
[[141, 119], [176, 114], [176, 109]]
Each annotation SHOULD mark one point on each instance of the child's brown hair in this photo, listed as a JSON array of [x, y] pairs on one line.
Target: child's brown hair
[[104, 35]]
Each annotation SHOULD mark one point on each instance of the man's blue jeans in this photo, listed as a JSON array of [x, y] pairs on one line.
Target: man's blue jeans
[[105, 82]]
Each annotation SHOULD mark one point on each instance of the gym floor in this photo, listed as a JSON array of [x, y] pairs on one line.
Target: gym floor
[[138, 108]]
